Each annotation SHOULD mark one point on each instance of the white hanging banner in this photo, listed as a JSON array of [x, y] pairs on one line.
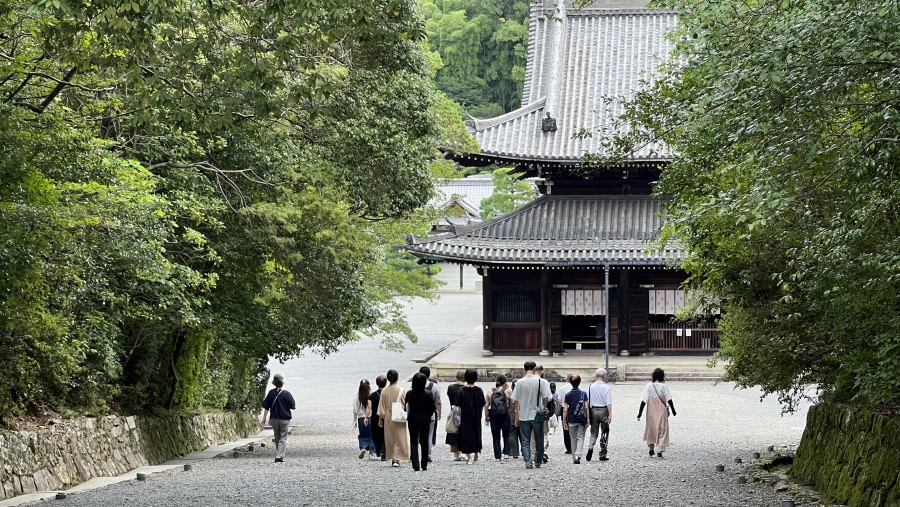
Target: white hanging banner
[[580, 302]]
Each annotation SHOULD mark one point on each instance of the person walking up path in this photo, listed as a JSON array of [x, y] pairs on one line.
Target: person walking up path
[[280, 403], [420, 414], [396, 444], [497, 414], [432, 387], [374, 421], [600, 400], [655, 396], [575, 416], [362, 412], [563, 391], [532, 394], [471, 404]]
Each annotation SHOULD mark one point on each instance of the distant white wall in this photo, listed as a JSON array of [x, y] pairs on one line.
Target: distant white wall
[[450, 275]]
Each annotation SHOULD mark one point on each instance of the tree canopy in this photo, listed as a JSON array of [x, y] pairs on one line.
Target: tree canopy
[[783, 115], [189, 188], [509, 193], [482, 45]]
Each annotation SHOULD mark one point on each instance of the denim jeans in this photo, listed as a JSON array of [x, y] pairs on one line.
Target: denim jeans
[[526, 428], [365, 434]]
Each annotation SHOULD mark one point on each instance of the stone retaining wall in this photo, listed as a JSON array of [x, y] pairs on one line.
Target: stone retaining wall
[[851, 455], [70, 452]]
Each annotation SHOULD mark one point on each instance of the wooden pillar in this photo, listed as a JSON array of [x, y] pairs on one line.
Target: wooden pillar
[[545, 312], [624, 313], [487, 297]]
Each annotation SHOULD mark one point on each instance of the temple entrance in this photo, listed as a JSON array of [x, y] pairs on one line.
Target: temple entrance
[[583, 332]]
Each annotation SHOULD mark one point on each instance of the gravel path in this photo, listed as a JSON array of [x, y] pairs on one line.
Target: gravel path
[[714, 425]]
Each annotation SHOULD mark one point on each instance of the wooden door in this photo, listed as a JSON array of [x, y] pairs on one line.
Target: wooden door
[[638, 321], [556, 344]]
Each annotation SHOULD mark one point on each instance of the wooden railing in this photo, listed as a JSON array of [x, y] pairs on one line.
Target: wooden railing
[[671, 336]]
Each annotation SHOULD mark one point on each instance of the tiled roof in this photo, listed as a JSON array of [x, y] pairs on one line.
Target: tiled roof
[[556, 230], [468, 192], [576, 59]]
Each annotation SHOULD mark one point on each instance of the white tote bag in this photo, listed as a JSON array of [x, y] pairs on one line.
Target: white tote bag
[[398, 411]]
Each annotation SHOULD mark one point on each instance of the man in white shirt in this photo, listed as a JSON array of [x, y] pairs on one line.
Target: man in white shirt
[[532, 394], [600, 401]]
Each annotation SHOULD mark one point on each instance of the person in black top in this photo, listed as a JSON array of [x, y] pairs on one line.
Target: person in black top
[[452, 439], [377, 430], [471, 405], [420, 409], [280, 402]]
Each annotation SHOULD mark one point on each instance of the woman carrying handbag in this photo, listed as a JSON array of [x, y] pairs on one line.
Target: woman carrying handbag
[[396, 445]]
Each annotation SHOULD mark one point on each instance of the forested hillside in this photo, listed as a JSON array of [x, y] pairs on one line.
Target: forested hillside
[[482, 46]]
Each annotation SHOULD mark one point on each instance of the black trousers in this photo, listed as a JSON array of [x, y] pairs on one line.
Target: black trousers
[[419, 437]]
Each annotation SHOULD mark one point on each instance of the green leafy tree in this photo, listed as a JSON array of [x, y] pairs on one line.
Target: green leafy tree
[[190, 189], [784, 118], [509, 193]]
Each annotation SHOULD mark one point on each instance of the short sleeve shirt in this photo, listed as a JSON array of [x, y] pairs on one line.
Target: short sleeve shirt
[[651, 390], [600, 394], [526, 393]]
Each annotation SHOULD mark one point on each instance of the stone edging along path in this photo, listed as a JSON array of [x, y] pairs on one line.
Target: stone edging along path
[[71, 452]]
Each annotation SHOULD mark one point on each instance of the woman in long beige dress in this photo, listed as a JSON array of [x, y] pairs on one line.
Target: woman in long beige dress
[[396, 445], [658, 399]]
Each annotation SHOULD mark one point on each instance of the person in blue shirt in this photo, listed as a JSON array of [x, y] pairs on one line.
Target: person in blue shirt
[[279, 403]]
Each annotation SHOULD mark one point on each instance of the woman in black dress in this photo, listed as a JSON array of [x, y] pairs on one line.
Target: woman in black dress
[[420, 407], [471, 405]]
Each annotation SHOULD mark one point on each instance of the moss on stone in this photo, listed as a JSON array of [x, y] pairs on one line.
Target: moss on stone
[[850, 454]]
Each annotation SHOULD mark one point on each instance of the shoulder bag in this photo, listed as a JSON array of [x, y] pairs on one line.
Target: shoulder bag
[[543, 413], [452, 425], [398, 412], [661, 400]]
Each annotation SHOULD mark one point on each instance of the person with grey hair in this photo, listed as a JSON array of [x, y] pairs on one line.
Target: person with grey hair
[[280, 403], [600, 402]]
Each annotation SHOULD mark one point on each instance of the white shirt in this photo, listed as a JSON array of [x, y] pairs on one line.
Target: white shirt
[[651, 390], [600, 394], [526, 393]]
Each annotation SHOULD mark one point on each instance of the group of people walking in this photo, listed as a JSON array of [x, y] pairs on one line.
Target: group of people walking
[[401, 425]]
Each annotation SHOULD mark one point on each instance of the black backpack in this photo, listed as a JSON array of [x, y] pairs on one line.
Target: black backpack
[[499, 403]]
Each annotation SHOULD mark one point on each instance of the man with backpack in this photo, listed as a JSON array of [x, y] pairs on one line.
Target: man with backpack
[[563, 391], [496, 412], [575, 416]]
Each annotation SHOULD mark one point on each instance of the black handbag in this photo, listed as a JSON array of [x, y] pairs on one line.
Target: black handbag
[[543, 413]]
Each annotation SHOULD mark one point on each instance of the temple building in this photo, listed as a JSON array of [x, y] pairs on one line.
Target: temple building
[[574, 269]]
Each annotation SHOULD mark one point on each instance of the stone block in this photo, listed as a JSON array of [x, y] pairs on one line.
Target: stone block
[[28, 485]]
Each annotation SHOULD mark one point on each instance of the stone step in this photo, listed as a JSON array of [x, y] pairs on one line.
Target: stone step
[[699, 374]]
